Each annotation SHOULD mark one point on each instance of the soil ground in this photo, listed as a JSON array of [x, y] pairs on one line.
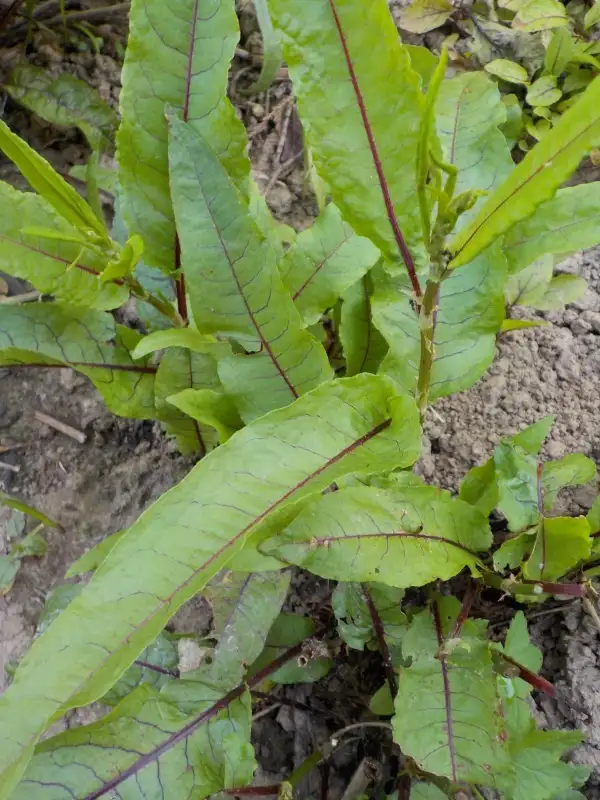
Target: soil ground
[[95, 488]]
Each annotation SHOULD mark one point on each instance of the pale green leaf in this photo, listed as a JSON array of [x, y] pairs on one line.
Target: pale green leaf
[[64, 100], [13, 502], [401, 537], [543, 92], [536, 178], [234, 286], [479, 487], [518, 645], [364, 346], [514, 550], [51, 335], [507, 70], [272, 54], [471, 311], [562, 290], [287, 631], [56, 602], [106, 177], [423, 61], [355, 624], [574, 469], [51, 186], [189, 338], [446, 706], [210, 408], [178, 55], [516, 473], [55, 266], [558, 52], [422, 16], [146, 747], [540, 15], [519, 324], [9, 567], [356, 425], [561, 543], [31, 545], [592, 16], [469, 112], [528, 286], [329, 46], [92, 559], [325, 261], [245, 632], [180, 370]]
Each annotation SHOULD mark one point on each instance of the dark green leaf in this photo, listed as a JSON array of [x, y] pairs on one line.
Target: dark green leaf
[[288, 630], [64, 100], [178, 55], [355, 624], [325, 261], [328, 43], [156, 665], [364, 347], [234, 286]]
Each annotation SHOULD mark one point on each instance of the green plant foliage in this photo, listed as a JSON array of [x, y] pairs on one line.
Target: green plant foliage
[[178, 54], [366, 534], [359, 159], [324, 262], [470, 313], [364, 346], [272, 55], [386, 433], [535, 179], [235, 289], [64, 100], [355, 622], [422, 16]]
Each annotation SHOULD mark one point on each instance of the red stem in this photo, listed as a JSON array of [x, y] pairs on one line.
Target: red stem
[[381, 642], [465, 608], [532, 678], [180, 284]]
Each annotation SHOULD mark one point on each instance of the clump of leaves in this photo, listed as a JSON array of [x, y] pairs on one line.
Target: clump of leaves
[[544, 53], [429, 236]]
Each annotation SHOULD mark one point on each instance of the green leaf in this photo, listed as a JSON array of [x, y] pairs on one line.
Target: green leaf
[[568, 222], [92, 559], [356, 425], [180, 370], [537, 773], [513, 127], [543, 92], [519, 324], [518, 645], [64, 100], [574, 469], [446, 717], [32, 545], [48, 334], [210, 408], [355, 624], [592, 16], [188, 338], [382, 702], [423, 61], [479, 487], [52, 187], [146, 745], [234, 286], [508, 70], [561, 543], [426, 791], [471, 311], [529, 285], [55, 266], [13, 502], [558, 52], [469, 112], [328, 43], [178, 55], [161, 655], [516, 472], [364, 347], [536, 178], [540, 15], [9, 567], [325, 261], [272, 54], [287, 631], [106, 176], [244, 634], [593, 516], [514, 550], [562, 290], [401, 537], [422, 16]]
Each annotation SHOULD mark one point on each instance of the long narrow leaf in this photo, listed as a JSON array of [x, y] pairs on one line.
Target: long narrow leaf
[[535, 179], [234, 286], [178, 54], [272, 54], [248, 486], [363, 139]]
